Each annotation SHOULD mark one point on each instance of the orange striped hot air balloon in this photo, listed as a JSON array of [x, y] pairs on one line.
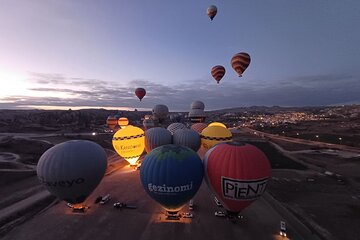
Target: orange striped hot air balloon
[[218, 72], [240, 62], [123, 122], [111, 121]]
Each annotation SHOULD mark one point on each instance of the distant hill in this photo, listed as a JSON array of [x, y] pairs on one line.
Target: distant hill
[[265, 109]]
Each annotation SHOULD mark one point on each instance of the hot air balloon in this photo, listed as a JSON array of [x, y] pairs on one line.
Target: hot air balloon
[[156, 137], [111, 121], [217, 124], [211, 11], [197, 115], [171, 175], [123, 122], [140, 93], [237, 174], [214, 135], [129, 143], [197, 105], [160, 111], [188, 138], [175, 126], [218, 72], [240, 62], [198, 127], [71, 170]]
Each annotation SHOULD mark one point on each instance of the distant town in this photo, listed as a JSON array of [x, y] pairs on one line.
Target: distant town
[[337, 124]]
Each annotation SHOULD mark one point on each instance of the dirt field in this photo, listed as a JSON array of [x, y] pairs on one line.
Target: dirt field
[[328, 204]]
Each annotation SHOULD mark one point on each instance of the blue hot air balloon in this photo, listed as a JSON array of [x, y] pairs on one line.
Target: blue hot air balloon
[[71, 170], [171, 175]]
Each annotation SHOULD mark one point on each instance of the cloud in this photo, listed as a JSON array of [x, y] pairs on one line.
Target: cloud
[[297, 91]]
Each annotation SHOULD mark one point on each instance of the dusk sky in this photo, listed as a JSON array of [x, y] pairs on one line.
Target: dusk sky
[[60, 54]]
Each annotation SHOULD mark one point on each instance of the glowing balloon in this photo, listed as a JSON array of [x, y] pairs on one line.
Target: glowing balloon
[[211, 11], [237, 174], [156, 137], [218, 73], [171, 175], [129, 143], [240, 62], [217, 124], [71, 170], [175, 126], [188, 138], [111, 122], [198, 127], [214, 135], [140, 93], [123, 122]]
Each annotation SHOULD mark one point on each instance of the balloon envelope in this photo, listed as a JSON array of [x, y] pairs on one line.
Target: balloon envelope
[[71, 170], [218, 72], [188, 138], [171, 175], [123, 122], [198, 127], [236, 173], [156, 137], [197, 105], [212, 135], [217, 124], [111, 121], [211, 11], [240, 62], [129, 143], [140, 93], [160, 111], [175, 126]]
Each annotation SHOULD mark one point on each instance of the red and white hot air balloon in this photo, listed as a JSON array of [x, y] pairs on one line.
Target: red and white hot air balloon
[[240, 62], [140, 93], [237, 174], [218, 72]]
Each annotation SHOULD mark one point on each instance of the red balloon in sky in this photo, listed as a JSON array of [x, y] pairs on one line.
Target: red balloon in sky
[[140, 93], [237, 174]]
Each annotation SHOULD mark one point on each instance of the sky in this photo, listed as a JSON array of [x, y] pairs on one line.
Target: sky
[[94, 54]]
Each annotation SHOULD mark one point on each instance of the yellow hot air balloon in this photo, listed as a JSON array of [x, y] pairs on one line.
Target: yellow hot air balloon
[[217, 124], [123, 122], [129, 143], [212, 135]]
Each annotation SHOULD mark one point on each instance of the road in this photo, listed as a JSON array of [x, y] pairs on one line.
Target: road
[[298, 140], [261, 220]]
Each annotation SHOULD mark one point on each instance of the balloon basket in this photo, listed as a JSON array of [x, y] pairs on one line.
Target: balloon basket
[[79, 208]]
